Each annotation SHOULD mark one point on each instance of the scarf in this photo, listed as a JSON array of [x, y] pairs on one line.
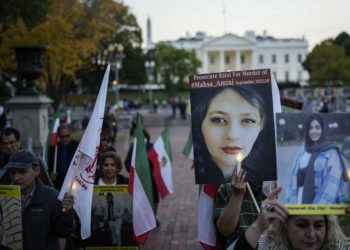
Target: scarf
[[305, 177]]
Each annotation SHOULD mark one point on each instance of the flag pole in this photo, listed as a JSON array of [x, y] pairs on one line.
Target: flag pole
[[253, 197], [55, 160], [239, 159], [73, 177]]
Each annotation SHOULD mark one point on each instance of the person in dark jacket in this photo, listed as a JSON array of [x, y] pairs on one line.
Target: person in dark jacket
[[66, 148], [105, 146], [11, 143], [44, 217]]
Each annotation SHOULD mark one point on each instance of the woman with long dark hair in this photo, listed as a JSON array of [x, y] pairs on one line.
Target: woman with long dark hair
[[318, 176], [232, 121]]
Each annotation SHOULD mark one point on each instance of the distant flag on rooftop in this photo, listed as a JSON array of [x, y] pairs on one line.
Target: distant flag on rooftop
[[161, 157], [140, 187]]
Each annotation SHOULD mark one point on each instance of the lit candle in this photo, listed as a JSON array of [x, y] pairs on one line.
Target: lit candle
[[239, 160]]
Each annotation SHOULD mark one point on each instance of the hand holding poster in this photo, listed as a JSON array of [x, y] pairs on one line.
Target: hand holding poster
[[312, 162], [232, 114], [10, 218]]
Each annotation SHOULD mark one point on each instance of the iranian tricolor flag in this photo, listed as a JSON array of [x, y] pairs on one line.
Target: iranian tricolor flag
[[53, 136], [188, 149], [161, 157], [206, 227], [140, 187]]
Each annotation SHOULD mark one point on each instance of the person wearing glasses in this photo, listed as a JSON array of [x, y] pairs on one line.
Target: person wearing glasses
[[61, 155], [10, 143]]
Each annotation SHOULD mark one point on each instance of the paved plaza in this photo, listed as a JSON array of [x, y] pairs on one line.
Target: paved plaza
[[177, 213]]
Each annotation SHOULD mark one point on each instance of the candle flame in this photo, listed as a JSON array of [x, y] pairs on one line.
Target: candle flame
[[239, 157], [74, 185]]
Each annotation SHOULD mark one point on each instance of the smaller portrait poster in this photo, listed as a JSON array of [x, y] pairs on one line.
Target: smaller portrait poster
[[10, 217], [233, 125], [111, 219], [313, 162]]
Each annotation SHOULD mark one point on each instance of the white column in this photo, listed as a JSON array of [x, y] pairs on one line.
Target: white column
[[238, 60], [254, 59], [222, 60], [205, 62]]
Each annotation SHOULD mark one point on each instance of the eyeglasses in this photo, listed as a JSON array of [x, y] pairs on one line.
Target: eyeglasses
[[8, 143], [63, 136]]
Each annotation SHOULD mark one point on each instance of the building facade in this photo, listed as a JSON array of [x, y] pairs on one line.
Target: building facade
[[231, 52]]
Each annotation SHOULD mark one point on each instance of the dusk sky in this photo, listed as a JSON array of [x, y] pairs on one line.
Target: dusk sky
[[315, 20]]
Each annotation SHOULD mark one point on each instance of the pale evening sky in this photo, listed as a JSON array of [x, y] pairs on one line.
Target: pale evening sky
[[315, 20]]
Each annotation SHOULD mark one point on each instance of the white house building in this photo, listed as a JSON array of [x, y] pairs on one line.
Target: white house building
[[231, 52]]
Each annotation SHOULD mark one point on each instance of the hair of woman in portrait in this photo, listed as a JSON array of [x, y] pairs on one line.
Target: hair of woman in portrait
[[258, 96], [278, 237]]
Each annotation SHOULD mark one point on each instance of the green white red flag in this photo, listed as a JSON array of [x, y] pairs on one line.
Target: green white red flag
[[140, 187], [188, 149], [161, 158], [53, 136], [206, 227], [79, 180]]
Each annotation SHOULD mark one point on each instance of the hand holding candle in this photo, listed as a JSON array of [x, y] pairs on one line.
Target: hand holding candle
[[239, 160]]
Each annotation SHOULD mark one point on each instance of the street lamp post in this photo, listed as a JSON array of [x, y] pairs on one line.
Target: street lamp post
[[113, 55], [149, 65], [117, 56]]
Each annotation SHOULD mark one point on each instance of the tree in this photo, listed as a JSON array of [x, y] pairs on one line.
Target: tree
[[74, 30], [32, 12], [173, 66], [343, 39], [328, 64]]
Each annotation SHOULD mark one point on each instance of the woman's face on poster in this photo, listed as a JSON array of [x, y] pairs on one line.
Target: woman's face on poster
[[230, 128], [315, 130]]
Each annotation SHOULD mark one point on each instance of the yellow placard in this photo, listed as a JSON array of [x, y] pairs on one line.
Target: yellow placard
[[10, 190], [120, 188], [317, 209]]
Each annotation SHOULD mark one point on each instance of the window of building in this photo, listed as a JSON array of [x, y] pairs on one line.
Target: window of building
[[299, 76], [261, 58], [287, 76], [286, 58], [242, 59], [274, 59], [300, 57], [212, 60], [227, 59]]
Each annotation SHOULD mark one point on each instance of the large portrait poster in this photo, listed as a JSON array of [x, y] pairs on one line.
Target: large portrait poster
[[10, 217], [233, 125], [313, 159], [111, 219]]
